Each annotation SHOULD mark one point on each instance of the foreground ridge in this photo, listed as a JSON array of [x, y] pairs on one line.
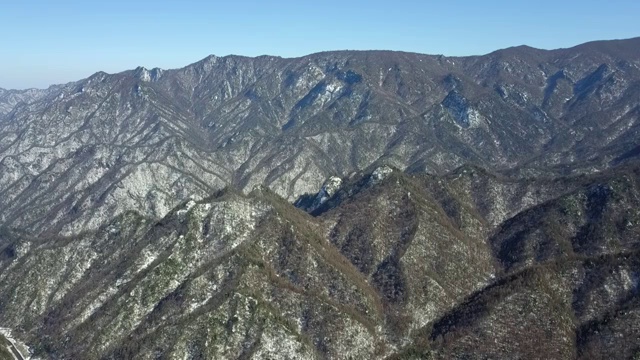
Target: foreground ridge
[[239, 275]]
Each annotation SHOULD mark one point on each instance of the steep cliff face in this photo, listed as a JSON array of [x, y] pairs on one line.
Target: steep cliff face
[[388, 205]]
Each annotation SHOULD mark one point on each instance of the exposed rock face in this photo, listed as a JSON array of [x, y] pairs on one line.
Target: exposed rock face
[[329, 188], [444, 208], [379, 174], [459, 108]]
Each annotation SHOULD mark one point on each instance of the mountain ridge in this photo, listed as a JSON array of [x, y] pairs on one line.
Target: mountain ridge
[[399, 271], [274, 121], [364, 204], [626, 42]]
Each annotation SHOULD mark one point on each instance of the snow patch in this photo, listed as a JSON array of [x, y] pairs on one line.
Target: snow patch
[[380, 174], [21, 347]]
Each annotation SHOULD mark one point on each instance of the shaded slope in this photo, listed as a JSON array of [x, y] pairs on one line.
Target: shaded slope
[[600, 216]]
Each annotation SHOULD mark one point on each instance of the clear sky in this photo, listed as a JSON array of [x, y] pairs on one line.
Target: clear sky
[[45, 42]]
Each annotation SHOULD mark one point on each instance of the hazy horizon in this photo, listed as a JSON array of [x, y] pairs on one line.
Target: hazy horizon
[[54, 43]]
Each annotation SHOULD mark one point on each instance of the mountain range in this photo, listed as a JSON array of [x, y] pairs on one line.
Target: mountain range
[[350, 204]]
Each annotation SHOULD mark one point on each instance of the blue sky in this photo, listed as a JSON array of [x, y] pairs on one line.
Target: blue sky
[[46, 41]]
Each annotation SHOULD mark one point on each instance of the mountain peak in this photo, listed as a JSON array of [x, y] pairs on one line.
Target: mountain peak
[[148, 75]]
